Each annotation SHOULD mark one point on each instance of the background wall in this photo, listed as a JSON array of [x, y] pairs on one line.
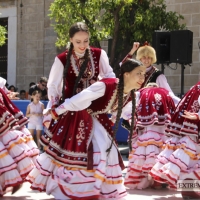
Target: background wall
[[190, 9]]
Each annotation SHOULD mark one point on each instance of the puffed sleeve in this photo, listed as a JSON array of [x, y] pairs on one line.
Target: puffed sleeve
[[2, 85], [2, 82], [162, 82], [175, 98], [55, 82], [127, 109], [105, 70], [83, 99]]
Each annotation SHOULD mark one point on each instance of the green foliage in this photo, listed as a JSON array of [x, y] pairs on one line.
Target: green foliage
[[2, 35], [125, 21]]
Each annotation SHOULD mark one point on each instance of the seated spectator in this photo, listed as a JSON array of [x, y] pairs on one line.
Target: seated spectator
[[41, 87], [22, 95], [31, 84], [12, 88]]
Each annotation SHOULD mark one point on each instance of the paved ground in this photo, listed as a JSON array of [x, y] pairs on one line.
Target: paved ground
[[25, 193]]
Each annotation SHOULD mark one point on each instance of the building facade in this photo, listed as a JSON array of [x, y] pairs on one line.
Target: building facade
[[190, 9], [31, 42]]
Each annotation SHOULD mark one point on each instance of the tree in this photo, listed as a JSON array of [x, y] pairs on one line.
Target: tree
[[2, 35], [125, 21]]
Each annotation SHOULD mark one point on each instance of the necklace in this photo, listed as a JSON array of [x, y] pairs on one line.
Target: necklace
[[80, 55]]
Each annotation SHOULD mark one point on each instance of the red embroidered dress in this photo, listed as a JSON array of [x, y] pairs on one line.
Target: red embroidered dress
[[154, 109], [179, 159], [76, 144], [17, 148], [59, 127], [65, 177]]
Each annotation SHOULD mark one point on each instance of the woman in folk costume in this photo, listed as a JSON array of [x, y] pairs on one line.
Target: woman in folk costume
[[17, 148], [147, 55], [80, 65], [154, 108], [82, 160], [180, 156]]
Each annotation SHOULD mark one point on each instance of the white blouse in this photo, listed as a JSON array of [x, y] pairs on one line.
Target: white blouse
[[2, 85]]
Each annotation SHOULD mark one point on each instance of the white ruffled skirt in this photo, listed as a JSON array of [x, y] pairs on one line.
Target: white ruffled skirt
[[177, 161], [143, 156], [17, 153], [104, 181]]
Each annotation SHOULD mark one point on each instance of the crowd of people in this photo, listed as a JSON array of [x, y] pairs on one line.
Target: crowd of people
[[81, 159], [41, 86]]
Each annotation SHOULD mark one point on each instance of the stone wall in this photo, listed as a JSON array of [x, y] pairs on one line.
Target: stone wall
[[7, 3], [190, 9], [36, 42]]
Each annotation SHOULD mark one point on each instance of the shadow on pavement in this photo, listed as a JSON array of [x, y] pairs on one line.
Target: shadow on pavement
[[162, 194]]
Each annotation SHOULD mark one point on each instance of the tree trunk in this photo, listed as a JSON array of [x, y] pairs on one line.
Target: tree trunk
[[115, 35]]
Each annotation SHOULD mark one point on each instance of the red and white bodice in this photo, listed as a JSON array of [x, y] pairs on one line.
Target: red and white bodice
[[98, 67]]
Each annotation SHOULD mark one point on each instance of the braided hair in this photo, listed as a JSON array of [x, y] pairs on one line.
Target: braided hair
[[132, 120], [127, 66], [75, 28], [82, 69], [66, 69]]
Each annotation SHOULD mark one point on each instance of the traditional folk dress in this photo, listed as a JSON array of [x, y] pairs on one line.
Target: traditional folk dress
[[155, 107], [181, 153], [153, 75], [98, 68], [76, 164], [17, 148]]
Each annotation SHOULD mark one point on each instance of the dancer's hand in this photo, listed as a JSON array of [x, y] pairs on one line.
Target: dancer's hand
[[189, 115], [47, 112], [134, 48], [12, 95]]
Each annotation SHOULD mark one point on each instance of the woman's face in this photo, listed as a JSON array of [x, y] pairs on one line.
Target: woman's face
[[12, 89], [80, 41], [136, 77], [146, 60]]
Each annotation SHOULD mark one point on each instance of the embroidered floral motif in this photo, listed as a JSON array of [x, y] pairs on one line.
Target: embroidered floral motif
[[88, 76], [195, 106], [81, 135], [60, 130], [158, 99], [54, 100], [61, 107]]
